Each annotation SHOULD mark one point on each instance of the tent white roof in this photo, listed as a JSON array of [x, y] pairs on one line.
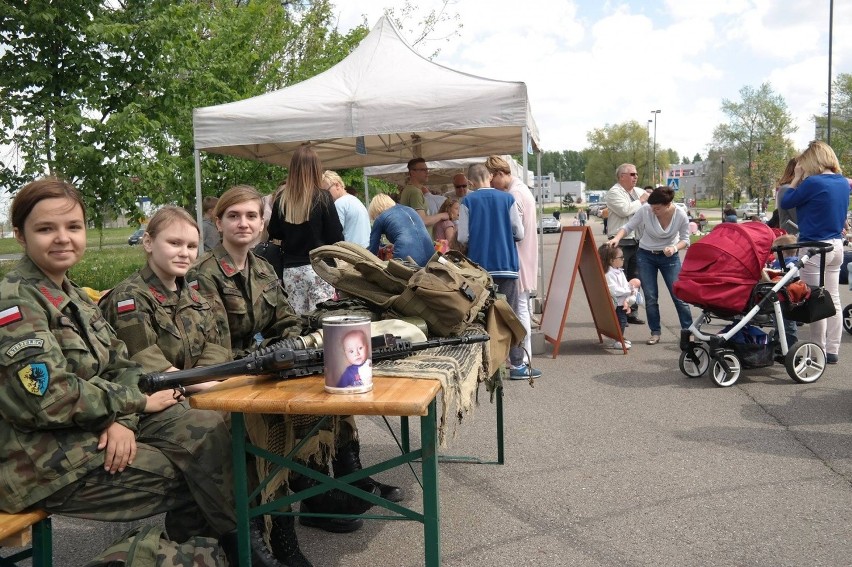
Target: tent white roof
[[383, 104]]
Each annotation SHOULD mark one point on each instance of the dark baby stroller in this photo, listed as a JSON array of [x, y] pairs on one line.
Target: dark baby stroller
[[721, 274]]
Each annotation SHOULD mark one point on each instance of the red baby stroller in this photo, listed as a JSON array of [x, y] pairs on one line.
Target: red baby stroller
[[721, 274]]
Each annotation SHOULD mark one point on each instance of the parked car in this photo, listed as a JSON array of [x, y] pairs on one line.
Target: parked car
[[746, 210], [549, 224], [136, 237]]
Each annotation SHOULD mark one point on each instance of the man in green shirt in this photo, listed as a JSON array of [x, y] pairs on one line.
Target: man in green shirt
[[413, 194]]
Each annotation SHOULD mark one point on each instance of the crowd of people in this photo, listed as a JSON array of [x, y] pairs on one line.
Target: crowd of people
[[98, 448], [93, 446], [647, 231]]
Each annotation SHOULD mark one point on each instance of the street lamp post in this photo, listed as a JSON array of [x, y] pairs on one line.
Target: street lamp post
[[648, 153], [722, 199], [759, 147], [655, 113]]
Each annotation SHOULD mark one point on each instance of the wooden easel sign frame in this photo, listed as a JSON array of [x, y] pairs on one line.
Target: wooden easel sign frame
[[575, 254]]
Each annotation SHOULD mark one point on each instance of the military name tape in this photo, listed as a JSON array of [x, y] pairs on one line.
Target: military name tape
[[26, 343]]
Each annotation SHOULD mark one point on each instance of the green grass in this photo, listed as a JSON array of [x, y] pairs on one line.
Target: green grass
[[111, 237], [100, 268]]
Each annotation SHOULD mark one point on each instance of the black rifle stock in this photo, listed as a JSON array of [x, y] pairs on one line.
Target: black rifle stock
[[283, 359]]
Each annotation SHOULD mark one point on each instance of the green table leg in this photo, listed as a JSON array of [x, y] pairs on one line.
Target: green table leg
[[431, 520], [500, 454], [238, 450], [43, 544], [404, 434]]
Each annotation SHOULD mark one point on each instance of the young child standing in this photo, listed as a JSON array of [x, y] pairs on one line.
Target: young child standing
[[623, 292]]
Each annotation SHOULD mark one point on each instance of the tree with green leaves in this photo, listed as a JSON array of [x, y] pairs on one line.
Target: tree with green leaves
[[755, 139], [613, 145], [567, 165], [841, 121], [696, 158], [102, 91]]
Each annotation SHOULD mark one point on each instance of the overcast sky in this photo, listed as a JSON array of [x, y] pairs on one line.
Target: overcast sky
[[588, 63]]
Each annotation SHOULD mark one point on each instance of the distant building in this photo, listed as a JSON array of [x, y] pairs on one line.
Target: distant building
[[553, 191], [690, 180]]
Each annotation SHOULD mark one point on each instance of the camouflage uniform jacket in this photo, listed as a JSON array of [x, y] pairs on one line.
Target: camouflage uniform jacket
[[247, 303], [64, 378], [164, 328]]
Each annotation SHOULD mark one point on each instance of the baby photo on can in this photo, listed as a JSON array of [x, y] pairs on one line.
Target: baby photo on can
[[347, 354]]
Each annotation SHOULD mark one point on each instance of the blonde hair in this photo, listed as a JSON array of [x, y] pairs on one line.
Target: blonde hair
[[236, 195], [497, 163], [784, 240], [330, 178], [817, 158], [166, 217], [379, 204], [303, 181]]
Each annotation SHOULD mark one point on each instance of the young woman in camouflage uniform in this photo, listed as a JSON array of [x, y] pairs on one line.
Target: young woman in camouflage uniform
[[77, 437], [252, 310], [165, 324]]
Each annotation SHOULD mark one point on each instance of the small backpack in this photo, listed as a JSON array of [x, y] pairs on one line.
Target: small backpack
[[147, 546], [448, 293]]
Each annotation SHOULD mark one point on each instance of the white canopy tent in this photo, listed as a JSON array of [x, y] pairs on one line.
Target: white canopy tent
[[383, 104]]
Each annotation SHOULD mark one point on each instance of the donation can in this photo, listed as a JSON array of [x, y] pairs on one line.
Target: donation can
[[347, 354]]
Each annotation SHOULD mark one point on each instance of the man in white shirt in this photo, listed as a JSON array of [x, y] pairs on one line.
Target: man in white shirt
[[352, 212], [623, 200]]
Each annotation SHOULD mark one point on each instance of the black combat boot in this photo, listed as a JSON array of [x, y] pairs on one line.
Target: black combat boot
[[260, 554], [333, 501], [347, 459], [285, 546]]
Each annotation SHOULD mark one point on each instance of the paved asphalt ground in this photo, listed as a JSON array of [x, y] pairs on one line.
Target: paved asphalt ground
[[617, 460]]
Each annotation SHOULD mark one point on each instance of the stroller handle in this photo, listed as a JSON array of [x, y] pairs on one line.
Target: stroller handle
[[814, 247]]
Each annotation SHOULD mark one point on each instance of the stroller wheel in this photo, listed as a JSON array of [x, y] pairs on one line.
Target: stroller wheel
[[724, 378], [694, 361], [847, 318], [805, 362]]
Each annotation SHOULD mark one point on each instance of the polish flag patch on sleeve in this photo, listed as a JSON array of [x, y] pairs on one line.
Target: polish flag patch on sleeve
[[126, 305], [10, 315]]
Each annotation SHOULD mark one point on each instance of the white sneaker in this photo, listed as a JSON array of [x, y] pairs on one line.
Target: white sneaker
[[617, 345]]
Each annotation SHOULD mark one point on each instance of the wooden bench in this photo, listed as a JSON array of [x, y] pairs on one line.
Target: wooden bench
[[30, 529]]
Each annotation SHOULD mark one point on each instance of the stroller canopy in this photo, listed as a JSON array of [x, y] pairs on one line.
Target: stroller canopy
[[720, 270]]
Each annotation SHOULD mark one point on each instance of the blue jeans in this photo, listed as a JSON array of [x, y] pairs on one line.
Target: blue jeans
[[669, 266]]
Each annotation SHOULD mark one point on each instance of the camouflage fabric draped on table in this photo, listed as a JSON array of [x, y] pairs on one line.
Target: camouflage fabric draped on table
[[459, 368]]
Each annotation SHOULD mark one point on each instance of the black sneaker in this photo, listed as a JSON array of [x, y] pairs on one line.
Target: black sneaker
[[634, 320]]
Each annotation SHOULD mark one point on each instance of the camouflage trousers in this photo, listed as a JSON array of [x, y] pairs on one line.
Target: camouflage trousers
[[182, 468]]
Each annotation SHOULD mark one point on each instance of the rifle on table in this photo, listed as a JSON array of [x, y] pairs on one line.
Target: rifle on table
[[287, 360]]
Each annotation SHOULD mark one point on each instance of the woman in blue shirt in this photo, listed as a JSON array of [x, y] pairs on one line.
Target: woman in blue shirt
[[403, 227], [820, 195]]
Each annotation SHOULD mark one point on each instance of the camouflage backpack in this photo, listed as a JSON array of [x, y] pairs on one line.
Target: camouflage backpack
[[448, 293], [147, 546]]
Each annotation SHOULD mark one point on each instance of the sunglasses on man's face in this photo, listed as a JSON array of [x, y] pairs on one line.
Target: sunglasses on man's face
[[631, 174], [460, 186]]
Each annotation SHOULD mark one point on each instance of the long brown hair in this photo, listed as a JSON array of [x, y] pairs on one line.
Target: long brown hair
[[789, 173], [303, 181]]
